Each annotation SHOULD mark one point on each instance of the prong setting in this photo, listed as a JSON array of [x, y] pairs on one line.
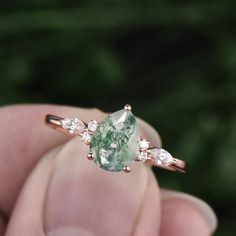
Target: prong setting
[[127, 169], [90, 156], [127, 107]]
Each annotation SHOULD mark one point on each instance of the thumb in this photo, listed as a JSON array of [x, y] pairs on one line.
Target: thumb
[[67, 195]]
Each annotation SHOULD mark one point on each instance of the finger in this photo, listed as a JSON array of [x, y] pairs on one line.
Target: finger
[[25, 138], [78, 198], [148, 222], [184, 215]]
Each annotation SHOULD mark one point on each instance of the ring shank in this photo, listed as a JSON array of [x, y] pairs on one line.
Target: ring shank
[[54, 122]]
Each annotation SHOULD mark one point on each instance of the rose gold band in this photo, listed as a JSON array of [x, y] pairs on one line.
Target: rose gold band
[[55, 122], [178, 165]]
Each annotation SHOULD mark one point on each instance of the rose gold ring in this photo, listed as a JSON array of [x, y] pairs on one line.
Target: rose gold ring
[[115, 142]]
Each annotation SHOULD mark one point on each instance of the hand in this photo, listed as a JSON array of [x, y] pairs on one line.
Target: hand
[[64, 194]]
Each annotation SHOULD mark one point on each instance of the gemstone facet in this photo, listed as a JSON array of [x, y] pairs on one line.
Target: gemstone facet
[[161, 156], [115, 143]]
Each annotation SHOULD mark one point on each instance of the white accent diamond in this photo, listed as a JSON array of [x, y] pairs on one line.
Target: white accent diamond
[[73, 125], [86, 137], [142, 156], [144, 144], [92, 125], [161, 156]]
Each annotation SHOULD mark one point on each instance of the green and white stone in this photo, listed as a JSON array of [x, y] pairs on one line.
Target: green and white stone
[[115, 143]]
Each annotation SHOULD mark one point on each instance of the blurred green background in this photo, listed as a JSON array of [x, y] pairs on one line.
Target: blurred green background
[[174, 62]]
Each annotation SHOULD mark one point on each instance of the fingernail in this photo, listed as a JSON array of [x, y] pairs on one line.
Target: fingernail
[[84, 200], [149, 132], [70, 232], [204, 209]]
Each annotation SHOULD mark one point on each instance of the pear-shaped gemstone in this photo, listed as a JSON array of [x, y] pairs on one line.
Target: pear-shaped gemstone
[[115, 143]]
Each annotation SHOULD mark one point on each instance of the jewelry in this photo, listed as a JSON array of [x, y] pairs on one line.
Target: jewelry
[[115, 142]]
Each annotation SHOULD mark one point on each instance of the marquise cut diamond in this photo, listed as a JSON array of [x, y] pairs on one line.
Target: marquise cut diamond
[[161, 156], [73, 125]]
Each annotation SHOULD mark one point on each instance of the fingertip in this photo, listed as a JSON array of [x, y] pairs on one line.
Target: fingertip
[[188, 215]]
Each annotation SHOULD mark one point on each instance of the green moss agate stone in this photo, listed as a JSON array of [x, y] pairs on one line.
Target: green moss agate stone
[[115, 143]]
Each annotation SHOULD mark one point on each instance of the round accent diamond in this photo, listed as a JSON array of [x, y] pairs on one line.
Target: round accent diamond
[[73, 125], [161, 156], [144, 144], [87, 137], [92, 125], [142, 156]]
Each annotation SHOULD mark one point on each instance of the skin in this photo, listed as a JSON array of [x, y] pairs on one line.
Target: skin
[[48, 187]]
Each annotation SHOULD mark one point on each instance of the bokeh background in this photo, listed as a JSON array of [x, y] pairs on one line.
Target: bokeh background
[[174, 62]]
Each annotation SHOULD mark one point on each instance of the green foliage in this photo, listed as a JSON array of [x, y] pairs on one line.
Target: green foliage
[[174, 62]]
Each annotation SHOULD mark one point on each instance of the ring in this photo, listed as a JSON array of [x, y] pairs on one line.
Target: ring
[[115, 142]]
